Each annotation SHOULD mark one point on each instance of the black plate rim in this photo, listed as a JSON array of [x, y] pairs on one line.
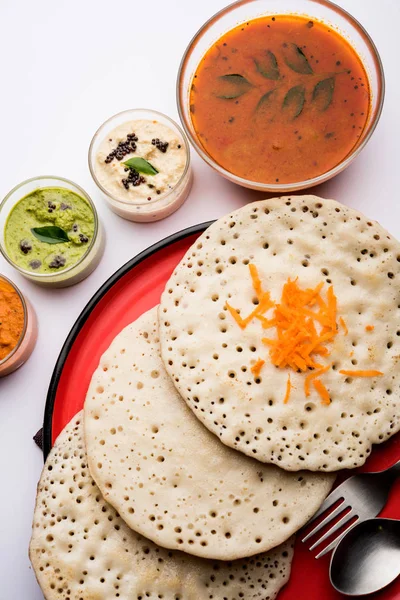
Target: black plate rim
[[84, 315]]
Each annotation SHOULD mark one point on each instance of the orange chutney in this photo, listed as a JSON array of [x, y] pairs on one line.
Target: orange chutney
[[11, 318], [280, 99]]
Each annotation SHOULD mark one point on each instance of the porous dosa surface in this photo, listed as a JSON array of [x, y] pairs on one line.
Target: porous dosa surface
[[82, 550], [209, 357], [172, 480]]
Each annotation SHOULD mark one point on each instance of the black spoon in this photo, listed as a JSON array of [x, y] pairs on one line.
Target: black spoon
[[367, 558]]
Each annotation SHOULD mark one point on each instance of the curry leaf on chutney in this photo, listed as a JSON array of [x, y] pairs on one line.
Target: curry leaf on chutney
[[267, 66], [51, 234], [141, 165], [323, 93], [293, 102], [296, 59]]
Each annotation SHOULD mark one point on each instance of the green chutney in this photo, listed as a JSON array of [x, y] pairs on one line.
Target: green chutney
[[51, 206]]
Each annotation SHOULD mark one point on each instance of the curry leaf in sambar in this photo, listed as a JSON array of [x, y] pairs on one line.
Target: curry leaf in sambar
[[296, 59], [265, 100], [267, 66], [233, 86], [236, 78], [232, 95], [323, 93], [293, 102]]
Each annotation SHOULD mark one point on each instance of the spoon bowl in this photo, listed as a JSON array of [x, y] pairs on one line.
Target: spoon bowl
[[367, 559]]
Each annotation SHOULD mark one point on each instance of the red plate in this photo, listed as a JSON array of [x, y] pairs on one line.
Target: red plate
[[132, 290]]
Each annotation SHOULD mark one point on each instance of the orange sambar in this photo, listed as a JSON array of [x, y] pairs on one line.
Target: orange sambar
[[280, 99]]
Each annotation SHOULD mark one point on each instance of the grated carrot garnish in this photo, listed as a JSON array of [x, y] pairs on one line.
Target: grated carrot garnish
[[295, 318], [241, 322], [304, 322], [332, 306], [300, 363], [322, 391], [344, 326], [320, 318], [367, 373], [256, 280], [264, 304], [321, 303], [266, 323], [322, 351], [297, 337], [312, 376], [288, 390], [256, 368]]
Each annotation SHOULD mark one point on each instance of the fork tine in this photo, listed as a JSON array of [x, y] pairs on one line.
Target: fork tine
[[325, 521], [335, 542], [328, 502], [347, 517]]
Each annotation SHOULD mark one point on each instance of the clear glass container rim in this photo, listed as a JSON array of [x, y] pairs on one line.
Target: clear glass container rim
[[32, 274], [129, 112], [274, 187]]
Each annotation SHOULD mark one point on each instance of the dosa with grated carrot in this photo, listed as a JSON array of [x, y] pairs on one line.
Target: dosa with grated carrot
[[281, 330]]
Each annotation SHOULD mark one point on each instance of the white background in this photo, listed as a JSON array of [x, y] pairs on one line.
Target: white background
[[66, 66]]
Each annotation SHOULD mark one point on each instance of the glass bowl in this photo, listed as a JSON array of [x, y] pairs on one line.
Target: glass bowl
[[76, 272], [165, 204], [27, 340], [245, 10]]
